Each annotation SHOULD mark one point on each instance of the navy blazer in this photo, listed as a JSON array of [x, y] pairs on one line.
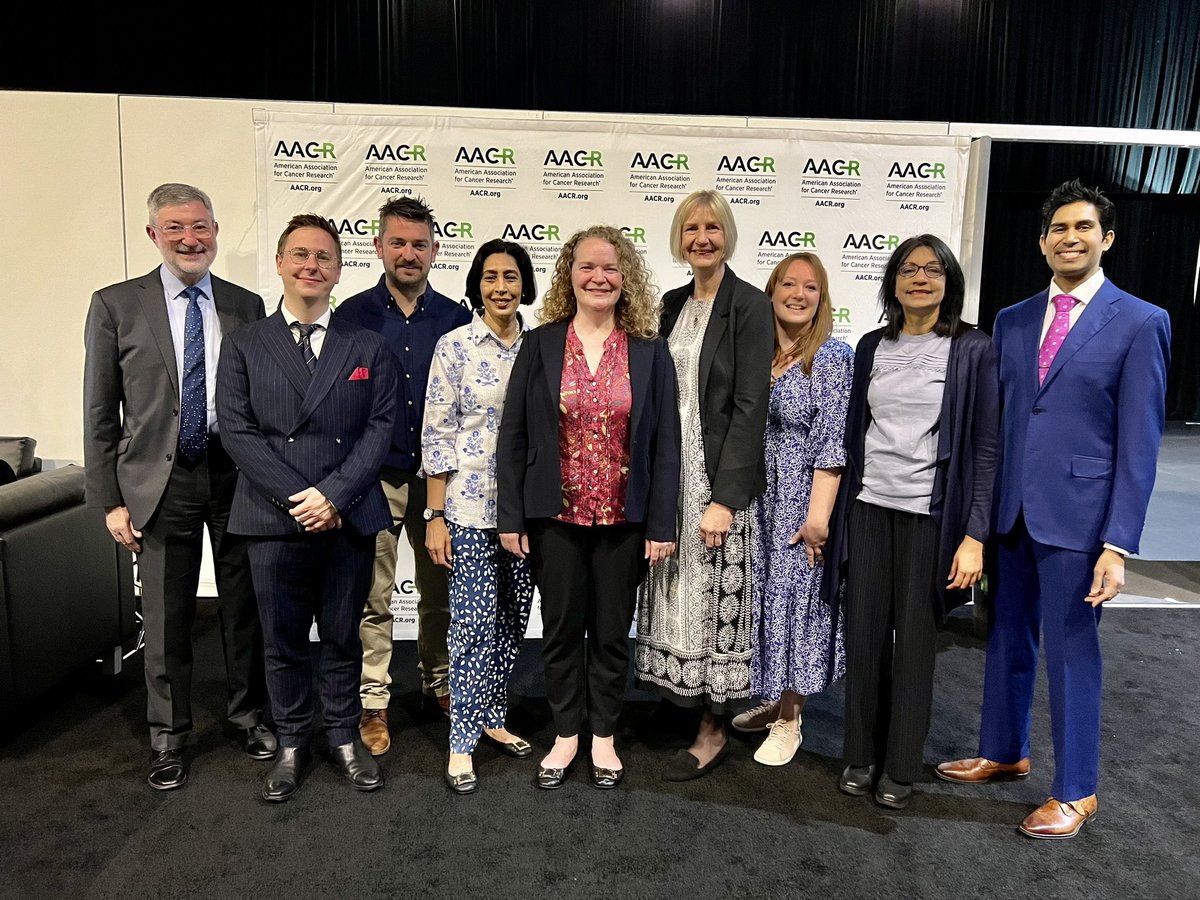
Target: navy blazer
[[528, 465], [1080, 450], [735, 385], [961, 502], [288, 430]]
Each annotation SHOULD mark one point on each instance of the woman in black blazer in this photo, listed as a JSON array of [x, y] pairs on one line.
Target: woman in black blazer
[[588, 474], [694, 621]]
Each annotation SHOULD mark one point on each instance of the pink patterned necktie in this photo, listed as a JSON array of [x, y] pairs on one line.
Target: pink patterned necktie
[[1063, 304]]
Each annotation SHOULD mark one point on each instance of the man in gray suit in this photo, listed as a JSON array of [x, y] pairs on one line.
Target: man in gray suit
[[156, 466]]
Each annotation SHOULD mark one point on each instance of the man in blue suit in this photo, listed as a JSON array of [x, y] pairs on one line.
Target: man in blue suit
[[306, 406], [1083, 368]]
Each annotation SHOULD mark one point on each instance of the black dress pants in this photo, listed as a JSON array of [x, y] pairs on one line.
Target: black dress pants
[[588, 578], [197, 495], [891, 638]]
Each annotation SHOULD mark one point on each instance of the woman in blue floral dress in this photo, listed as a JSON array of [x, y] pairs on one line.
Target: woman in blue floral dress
[[798, 638]]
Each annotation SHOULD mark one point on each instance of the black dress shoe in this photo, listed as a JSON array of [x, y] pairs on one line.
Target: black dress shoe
[[283, 779], [168, 771], [552, 779], [606, 779], [517, 749], [259, 743], [857, 780], [684, 767], [358, 766], [893, 794], [460, 784]]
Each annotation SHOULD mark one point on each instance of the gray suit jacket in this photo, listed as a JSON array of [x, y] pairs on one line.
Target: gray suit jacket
[[131, 389]]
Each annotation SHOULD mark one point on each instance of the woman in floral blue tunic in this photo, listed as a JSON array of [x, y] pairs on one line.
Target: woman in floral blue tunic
[[490, 589], [798, 637]]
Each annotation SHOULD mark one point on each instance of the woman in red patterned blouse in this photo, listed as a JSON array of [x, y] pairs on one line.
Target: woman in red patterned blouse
[[588, 474]]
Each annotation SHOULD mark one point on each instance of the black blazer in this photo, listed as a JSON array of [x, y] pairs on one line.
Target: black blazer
[[735, 385], [528, 468]]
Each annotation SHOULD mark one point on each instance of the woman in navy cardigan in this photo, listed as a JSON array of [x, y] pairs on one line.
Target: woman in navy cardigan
[[913, 509]]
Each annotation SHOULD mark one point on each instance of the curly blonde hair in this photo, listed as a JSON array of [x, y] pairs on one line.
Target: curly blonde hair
[[637, 308]]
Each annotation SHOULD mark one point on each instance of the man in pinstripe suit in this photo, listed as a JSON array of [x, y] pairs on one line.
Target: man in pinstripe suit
[[306, 407]]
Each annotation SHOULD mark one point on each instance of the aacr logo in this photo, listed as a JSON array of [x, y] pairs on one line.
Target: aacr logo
[[831, 167], [787, 239], [841, 314], [397, 152], [362, 227], [579, 159], [667, 161], [635, 233], [487, 155], [310, 150], [746, 164], [927, 170], [871, 242], [457, 230], [525, 232]]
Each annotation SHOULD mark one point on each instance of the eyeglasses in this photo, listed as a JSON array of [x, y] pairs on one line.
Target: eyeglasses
[[300, 255], [174, 231], [931, 270]]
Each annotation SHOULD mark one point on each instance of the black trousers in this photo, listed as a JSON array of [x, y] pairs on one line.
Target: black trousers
[[891, 638], [588, 578], [300, 578], [197, 495]]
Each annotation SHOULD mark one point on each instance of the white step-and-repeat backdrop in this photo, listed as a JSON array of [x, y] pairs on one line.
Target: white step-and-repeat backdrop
[[850, 198]]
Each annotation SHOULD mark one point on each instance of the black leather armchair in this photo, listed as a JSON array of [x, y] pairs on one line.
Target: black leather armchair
[[66, 588]]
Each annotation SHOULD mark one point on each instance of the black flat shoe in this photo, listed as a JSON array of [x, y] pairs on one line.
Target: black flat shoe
[[168, 770], [357, 766], [606, 779], [259, 743], [684, 767], [284, 778], [857, 781], [460, 784], [517, 749], [892, 794], [552, 779]]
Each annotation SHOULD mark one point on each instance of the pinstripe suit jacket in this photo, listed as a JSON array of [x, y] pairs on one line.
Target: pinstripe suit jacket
[[288, 430]]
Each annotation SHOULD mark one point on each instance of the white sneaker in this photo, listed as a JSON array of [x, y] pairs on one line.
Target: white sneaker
[[757, 719], [781, 744]]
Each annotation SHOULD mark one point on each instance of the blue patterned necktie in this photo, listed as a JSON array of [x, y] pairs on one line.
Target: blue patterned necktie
[[306, 350], [193, 406]]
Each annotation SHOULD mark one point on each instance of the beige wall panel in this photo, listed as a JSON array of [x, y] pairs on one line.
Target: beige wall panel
[[61, 236]]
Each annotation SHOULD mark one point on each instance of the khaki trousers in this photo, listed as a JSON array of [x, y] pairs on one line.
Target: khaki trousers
[[407, 501]]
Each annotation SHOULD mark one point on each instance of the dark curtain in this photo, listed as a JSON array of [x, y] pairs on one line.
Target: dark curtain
[[1154, 256]]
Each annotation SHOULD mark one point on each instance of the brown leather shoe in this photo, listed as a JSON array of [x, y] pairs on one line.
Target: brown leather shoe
[[1056, 820], [978, 770], [373, 728]]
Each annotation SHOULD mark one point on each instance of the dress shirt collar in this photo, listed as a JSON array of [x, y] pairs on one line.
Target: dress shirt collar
[[173, 287], [481, 331], [291, 320], [1083, 293]]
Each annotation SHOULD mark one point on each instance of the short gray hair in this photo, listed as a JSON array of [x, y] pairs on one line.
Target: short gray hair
[[175, 194]]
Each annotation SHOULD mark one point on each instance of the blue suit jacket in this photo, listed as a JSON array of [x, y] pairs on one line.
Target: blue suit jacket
[[1078, 453], [288, 430]]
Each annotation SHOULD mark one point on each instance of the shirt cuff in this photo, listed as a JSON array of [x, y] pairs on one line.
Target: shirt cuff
[[1121, 550]]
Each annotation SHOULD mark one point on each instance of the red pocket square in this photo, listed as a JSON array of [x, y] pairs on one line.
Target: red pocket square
[[359, 374]]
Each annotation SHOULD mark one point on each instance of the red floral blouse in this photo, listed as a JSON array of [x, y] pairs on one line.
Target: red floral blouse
[[593, 432]]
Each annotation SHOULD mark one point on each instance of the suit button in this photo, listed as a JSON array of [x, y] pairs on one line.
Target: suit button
[[169, 457], [337, 440], [174, 412], [291, 440], [1037, 410]]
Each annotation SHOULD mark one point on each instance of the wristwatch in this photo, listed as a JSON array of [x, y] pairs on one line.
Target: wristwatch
[[431, 514]]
